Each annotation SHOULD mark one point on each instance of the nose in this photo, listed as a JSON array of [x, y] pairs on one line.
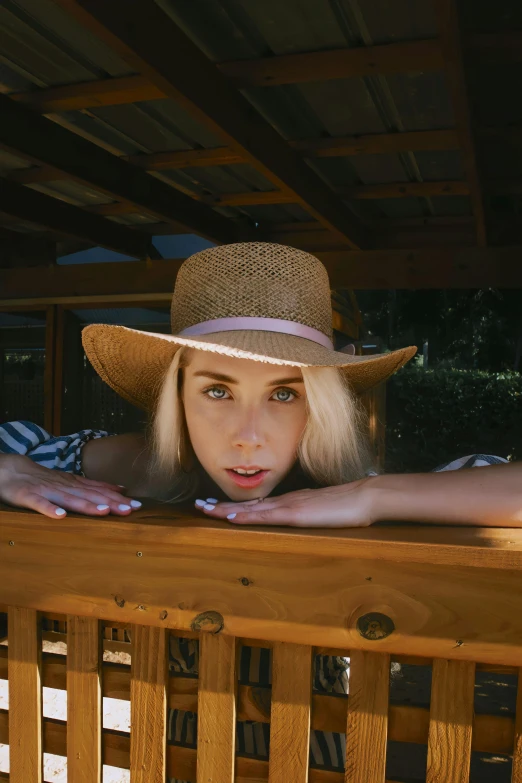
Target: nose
[[248, 432]]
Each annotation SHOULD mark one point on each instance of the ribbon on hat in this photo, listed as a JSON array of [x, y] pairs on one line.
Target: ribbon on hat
[[250, 323]]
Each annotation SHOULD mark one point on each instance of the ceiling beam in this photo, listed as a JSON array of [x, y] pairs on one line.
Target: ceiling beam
[[38, 139], [450, 39], [372, 269], [335, 64], [163, 54], [29, 205]]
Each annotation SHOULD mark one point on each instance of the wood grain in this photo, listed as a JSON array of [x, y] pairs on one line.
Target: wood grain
[[25, 697], [367, 724], [84, 701], [290, 714], [217, 708], [451, 718], [149, 675]]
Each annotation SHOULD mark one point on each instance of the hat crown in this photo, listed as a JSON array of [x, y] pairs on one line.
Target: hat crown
[[253, 279]]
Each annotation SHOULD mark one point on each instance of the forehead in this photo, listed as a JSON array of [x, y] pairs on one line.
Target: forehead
[[199, 361]]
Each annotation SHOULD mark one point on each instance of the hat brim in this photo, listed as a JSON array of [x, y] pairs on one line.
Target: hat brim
[[133, 362]]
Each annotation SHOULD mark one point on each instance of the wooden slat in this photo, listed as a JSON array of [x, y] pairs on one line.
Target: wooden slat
[[516, 775], [449, 31], [163, 53], [367, 724], [290, 715], [149, 675], [406, 190], [451, 718], [377, 143], [87, 95], [491, 733], [217, 708], [84, 702], [335, 64], [25, 697], [50, 347]]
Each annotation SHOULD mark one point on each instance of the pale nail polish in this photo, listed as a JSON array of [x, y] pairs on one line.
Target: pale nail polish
[[135, 504], [123, 507], [102, 508], [60, 511], [209, 507], [200, 503], [231, 516], [212, 500]]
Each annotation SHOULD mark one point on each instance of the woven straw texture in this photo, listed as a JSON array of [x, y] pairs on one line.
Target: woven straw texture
[[246, 279], [258, 279]]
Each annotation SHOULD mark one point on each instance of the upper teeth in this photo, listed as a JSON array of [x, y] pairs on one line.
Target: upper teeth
[[246, 472]]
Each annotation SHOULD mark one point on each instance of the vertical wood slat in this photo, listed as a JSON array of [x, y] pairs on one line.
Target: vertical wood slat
[[149, 673], [217, 708], [290, 713], [451, 719], [84, 702], [516, 775], [367, 724], [50, 338], [25, 696]]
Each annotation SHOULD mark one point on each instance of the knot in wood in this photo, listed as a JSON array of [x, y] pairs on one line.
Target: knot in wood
[[375, 625], [210, 622]]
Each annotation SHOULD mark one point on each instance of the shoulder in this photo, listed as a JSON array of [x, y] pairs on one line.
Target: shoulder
[[470, 461]]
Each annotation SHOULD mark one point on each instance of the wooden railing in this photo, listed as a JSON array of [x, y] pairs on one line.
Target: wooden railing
[[447, 599]]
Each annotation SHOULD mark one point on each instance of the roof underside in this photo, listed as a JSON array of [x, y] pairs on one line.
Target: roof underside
[[331, 124]]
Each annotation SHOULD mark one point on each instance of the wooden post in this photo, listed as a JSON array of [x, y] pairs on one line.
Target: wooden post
[[367, 725], [84, 702], [451, 719], [516, 775], [50, 331], [25, 696], [290, 714], [58, 370], [217, 708], [149, 675]]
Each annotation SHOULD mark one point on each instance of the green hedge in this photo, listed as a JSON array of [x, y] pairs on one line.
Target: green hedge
[[437, 415]]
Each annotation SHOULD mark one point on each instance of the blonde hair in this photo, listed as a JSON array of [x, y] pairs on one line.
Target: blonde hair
[[333, 448]]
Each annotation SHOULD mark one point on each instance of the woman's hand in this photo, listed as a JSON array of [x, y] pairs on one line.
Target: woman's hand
[[26, 484], [347, 505]]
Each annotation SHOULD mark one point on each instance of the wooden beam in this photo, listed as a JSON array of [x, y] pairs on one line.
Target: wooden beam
[[23, 132], [336, 64], [443, 267], [29, 205], [89, 95], [181, 159], [406, 190], [449, 31], [161, 52]]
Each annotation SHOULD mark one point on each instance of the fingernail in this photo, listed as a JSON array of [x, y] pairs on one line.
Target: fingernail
[[231, 516], [212, 500], [102, 508], [209, 507], [123, 507], [121, 485], [60, 511], [200, 503], [135, 504]]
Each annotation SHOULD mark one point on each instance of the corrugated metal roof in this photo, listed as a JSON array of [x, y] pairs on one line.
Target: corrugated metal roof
[[41, 45]]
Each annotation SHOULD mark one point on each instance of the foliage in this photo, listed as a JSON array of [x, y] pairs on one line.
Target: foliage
[[434, 416]]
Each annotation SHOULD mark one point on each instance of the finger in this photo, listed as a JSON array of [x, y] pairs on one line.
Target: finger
[[93, 507], [43, 506], [271, 516], [93, 483], [98, 495], [223, 510]]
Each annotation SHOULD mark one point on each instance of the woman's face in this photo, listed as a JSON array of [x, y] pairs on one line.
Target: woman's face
[[243, 416]]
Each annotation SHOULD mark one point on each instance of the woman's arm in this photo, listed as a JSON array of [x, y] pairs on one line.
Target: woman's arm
[[486, 497]]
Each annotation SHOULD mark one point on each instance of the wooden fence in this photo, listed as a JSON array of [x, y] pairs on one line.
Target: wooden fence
[[446, 598]]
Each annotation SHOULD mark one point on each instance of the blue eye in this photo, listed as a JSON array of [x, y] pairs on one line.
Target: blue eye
[[284, 395], [217, 393]]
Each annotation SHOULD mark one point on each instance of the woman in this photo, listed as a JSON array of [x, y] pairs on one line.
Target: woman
[[254, 417]]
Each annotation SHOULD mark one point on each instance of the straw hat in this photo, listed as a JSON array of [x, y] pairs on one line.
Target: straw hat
[[252, 300]]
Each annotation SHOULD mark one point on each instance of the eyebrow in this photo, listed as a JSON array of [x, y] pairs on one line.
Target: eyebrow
[[217, 376]]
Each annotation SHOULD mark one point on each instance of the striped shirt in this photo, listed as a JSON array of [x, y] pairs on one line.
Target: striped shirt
[[330, 673]]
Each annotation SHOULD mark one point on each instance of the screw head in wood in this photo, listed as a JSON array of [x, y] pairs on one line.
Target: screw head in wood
[[374, 626]]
